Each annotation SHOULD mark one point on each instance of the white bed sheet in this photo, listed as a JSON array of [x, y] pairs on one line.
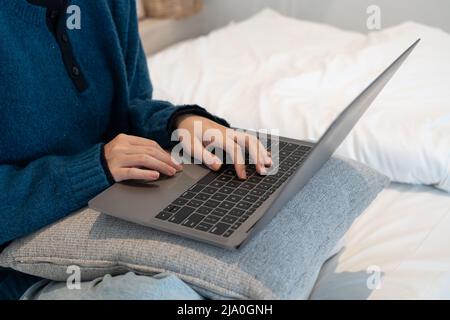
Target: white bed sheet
[[404, 235]]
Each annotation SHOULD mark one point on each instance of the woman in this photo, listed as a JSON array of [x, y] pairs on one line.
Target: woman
[[77, 115]]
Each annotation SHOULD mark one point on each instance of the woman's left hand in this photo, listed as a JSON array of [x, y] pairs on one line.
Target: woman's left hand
[[198, 134]]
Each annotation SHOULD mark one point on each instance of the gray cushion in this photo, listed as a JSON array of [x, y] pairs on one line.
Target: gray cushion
[[282, 261]]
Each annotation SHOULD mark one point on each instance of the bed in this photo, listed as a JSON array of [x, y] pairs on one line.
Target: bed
[[295, 76], [397, 249]]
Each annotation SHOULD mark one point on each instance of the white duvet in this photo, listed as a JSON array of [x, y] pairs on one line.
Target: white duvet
[[296, 76]]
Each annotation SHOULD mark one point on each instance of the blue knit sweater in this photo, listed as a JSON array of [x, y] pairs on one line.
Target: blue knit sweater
[[63, 93]]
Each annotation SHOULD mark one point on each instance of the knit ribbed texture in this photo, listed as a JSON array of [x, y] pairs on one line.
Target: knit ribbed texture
[[86, 175], [26, 11]]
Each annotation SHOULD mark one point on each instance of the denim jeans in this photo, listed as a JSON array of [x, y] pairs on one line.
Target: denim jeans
[[128, 286]]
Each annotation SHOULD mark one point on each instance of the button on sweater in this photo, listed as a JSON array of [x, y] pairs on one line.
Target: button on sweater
[[61, 99]]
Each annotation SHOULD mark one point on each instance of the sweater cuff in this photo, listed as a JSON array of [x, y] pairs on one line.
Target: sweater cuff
[[86, 175], [105, 166]]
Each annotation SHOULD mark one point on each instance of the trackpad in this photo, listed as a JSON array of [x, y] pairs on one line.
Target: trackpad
[[140, 201]]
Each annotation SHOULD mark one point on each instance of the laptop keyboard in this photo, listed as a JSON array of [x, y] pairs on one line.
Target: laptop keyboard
[[220, 203]]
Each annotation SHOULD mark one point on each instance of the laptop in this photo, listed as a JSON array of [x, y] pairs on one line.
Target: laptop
[[221, 210]]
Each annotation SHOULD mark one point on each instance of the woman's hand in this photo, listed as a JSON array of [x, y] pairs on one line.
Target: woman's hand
[[130, 157], [215, 135]]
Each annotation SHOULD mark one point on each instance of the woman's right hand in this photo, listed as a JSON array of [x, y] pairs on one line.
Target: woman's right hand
[[130, 157]]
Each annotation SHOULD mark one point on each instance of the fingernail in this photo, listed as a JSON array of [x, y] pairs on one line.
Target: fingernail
[[177, 162], [263, 171], [217, 160], [154, 175], [217, 163], [214, 166]]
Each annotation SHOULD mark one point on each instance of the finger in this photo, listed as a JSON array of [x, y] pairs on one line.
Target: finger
[[257, 154], [262, 152], [235, 151], [192, 147], [210, 160], [139, 141], [164, 156], [146, 161], [137, 174], [256, 150], [157, 153], [197, 149]]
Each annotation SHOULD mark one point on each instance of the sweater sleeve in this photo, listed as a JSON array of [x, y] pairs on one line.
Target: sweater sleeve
[[47, 190], [150, 118]]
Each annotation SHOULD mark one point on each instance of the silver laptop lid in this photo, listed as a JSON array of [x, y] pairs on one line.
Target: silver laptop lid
[[335, 135]]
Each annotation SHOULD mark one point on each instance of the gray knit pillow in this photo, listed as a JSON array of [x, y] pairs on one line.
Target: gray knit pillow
[[281, 261]]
